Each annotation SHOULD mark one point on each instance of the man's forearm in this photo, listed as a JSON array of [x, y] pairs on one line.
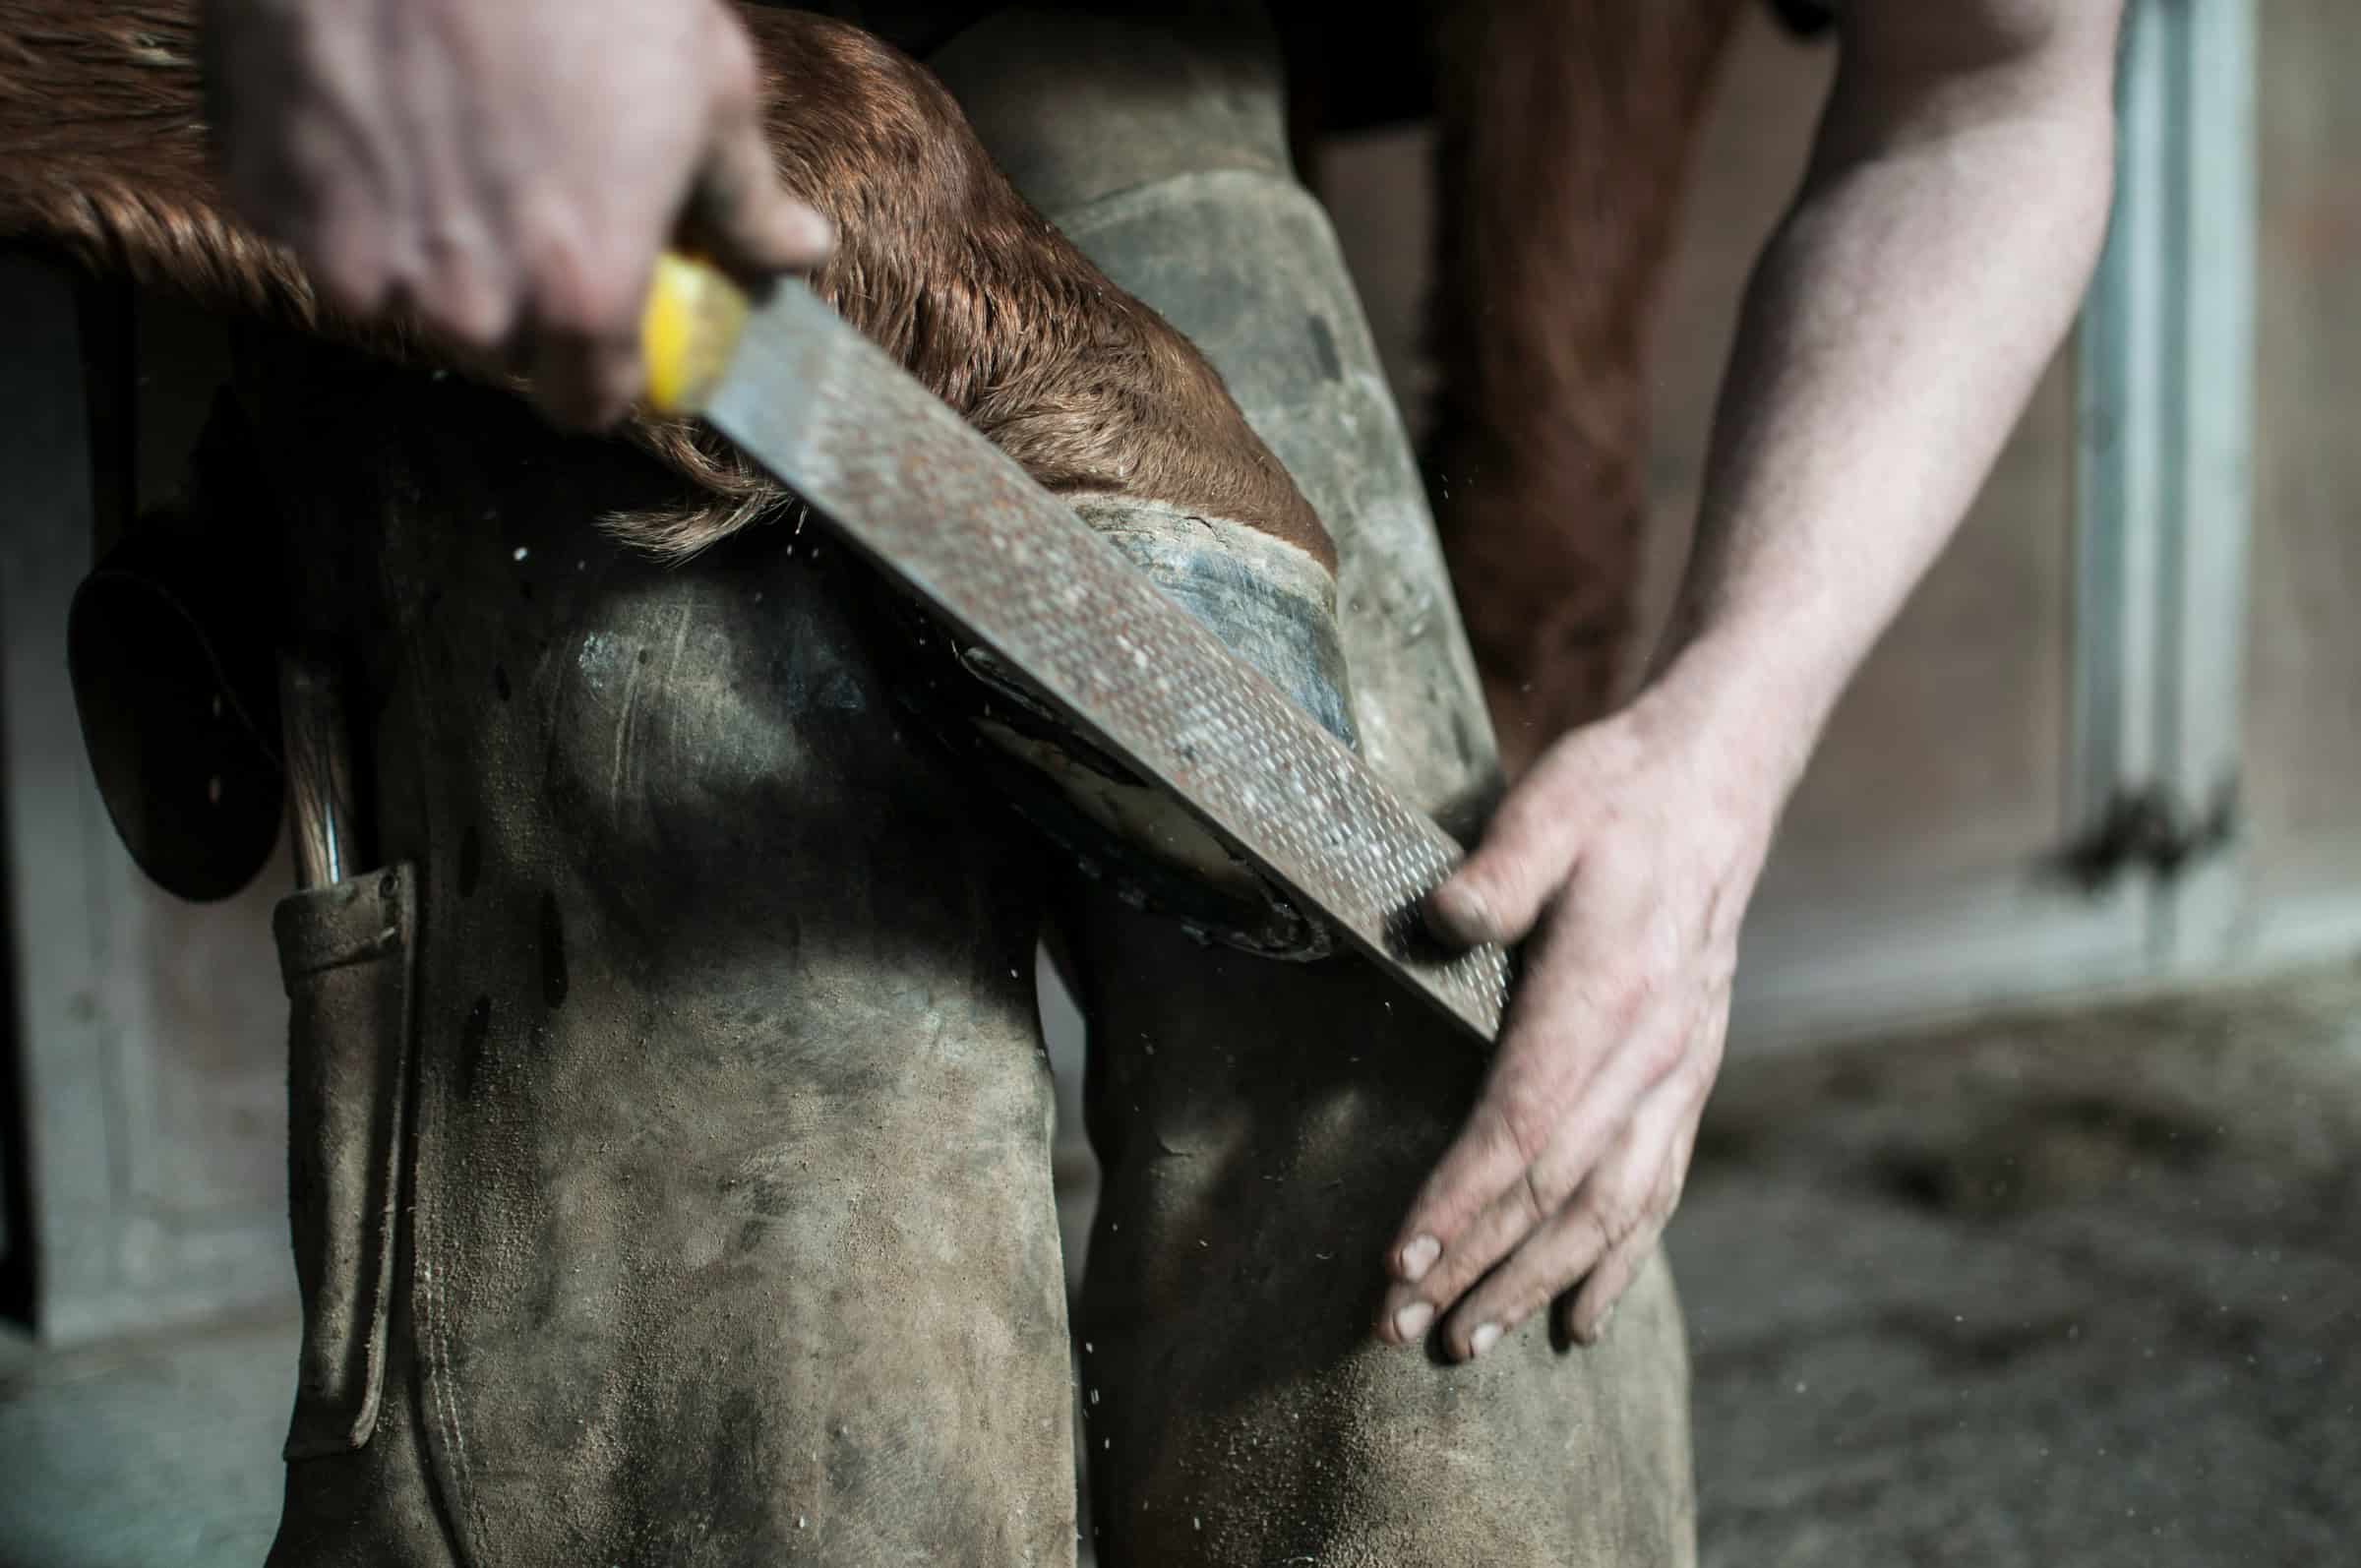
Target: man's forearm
[[1892, 335]]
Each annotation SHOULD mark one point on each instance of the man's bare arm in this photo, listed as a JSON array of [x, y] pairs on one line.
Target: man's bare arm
[[1893, 332]]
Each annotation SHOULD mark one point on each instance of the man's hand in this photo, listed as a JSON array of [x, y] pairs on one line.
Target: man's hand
[[1893, 332], [1628, 854], [507, 170]]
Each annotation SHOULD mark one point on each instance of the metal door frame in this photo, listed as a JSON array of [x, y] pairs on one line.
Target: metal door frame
[[2165, 365]]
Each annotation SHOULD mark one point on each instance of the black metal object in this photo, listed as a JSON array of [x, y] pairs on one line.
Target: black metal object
[[171, 646], [2149, 829], [322, 798]]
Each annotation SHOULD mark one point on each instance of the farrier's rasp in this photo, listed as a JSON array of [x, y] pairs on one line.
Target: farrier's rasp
[[895, 473]]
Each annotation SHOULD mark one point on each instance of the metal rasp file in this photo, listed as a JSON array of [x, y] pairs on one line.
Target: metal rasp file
[[890, 468]]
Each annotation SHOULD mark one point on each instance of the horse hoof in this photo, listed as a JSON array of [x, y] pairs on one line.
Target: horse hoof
[[1272, 604]]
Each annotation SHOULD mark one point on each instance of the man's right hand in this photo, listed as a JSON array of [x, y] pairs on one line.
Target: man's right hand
[[507, 170]]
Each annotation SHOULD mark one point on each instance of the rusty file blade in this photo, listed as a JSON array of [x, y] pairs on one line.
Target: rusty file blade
[[901, 478]]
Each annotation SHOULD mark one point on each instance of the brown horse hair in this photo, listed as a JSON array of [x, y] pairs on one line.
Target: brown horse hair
[[938, 261], [1566, 129]]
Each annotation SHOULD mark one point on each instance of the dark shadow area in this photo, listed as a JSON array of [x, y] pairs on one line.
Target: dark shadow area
[[16, 1260]]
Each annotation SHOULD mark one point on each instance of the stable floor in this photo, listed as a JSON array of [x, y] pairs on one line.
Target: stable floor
[[2078, 1288], [2081, 1290]]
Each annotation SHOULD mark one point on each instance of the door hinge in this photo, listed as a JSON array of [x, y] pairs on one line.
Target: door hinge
[[2149, 829]]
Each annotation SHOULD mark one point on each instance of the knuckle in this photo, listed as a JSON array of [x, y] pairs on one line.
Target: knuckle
[[1453, 1280], [1491, 893], [1526, 1119], [1545, 1273], [602, 309], [1659, 1053], [1534, 1197], [1469, 1258], [1477, 879], [575, 294], [349, 282], [1617, 1214], [1625, 1006], [562, 272], [1613, 999], [1554, 1181], [1453, 1276], [465, 306], [1596, 1234]]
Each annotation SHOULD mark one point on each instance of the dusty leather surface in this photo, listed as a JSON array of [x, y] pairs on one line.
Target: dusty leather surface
[[347, 954], [1262, 1126], [1261, 1129], [1154, 141], [1247, 265], [730, 1234]]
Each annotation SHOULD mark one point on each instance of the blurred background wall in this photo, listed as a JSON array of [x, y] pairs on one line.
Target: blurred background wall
[[2150, 628]]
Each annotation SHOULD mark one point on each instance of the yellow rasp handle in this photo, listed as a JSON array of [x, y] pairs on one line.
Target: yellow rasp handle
[[687, 331]]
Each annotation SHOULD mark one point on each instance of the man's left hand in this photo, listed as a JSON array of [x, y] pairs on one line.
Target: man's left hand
[[1628, 854]]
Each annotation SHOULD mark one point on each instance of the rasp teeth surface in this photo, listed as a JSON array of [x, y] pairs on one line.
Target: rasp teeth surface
[[904, 480]]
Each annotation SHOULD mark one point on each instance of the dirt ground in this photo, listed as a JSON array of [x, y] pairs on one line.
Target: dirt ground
[[2073, 1289], [2064, 1290]]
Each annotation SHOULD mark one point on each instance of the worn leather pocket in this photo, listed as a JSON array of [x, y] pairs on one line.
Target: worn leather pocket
[[348, 955]]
